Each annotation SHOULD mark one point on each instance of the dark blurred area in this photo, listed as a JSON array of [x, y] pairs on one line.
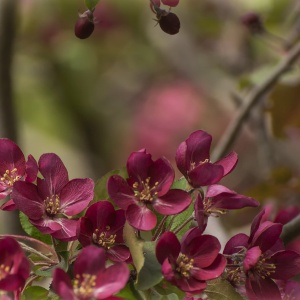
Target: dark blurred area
[[131, 86]]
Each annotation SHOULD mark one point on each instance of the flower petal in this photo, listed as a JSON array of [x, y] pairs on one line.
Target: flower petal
[[140, 217], [251, 258], [161, 172], [62, 284], [91, 260], [174, 202], [76, 195], [167, 246], [31, 169], [205, 174], [120, 192], [11, 157], [111, 280], [54, 172], [235, 244], [212, 271], [118, 253], [287, 264], [262, 289], [27, 200], [138, 165], [228, 162]]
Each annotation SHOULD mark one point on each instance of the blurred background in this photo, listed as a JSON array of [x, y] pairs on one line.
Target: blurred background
[[131, 86]]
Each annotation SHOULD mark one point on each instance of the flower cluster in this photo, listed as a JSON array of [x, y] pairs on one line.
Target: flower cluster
[[149, 227]]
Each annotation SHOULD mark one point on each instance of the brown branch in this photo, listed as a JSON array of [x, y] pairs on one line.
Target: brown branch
[[8, 126], [254, 96]]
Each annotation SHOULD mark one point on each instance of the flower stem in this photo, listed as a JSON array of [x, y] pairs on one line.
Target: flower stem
[[191, 218]]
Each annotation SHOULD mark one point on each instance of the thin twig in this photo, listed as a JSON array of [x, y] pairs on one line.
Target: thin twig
[[254, 96]]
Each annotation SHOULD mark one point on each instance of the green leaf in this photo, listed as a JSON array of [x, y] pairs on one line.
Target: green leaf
[[35, 293], [179, 219], [63, 264], [150, 274], [129, 292], [91, 4], [221, 289], [144, 258], [100, 191], [181, 184], [33, 231], [165, 288]]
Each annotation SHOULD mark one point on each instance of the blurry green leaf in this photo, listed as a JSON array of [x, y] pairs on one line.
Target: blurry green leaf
[[32, 230], [100, 187], [91, 4], [35, 293], [220, 289], [129, 292], [165, 288]]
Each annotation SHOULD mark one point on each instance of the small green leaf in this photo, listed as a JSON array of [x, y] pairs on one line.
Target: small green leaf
[[32, 230], [100, 187], [35, 293], [64, 264], [181, 184], [221, 289], [91, 4], [165, 288]]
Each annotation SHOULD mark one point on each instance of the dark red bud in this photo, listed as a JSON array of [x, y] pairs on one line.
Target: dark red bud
[[84, 27], [169, 23], [253, 22]]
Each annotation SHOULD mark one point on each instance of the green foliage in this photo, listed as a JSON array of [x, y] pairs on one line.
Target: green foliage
[[35, 293], [32, 231], [63, 264], [91, 4], [144, 258], [220, 289]]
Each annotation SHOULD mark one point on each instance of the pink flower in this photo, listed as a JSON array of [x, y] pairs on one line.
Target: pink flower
[[13, 168], [14, 266], [148, 186], [50, 204], [103, 226], [258, 260], [189, 264], [193, 161], [217, 201], [92, 280]]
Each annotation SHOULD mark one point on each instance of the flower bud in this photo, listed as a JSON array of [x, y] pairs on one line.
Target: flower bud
[[84, 26], [169, 23], [253, 22]]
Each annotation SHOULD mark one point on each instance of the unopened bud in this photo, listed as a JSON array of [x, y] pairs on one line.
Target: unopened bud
[[84, 26], [253, 22], [169, 23]]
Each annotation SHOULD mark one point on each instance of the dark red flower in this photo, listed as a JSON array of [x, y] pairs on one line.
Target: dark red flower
[[258, 260], [103, 226], [14, 266], [193, 161], [50, 204], [189, 264], [217, 201], [13, 168], [148, 186], [84, 26], [92, 280]]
